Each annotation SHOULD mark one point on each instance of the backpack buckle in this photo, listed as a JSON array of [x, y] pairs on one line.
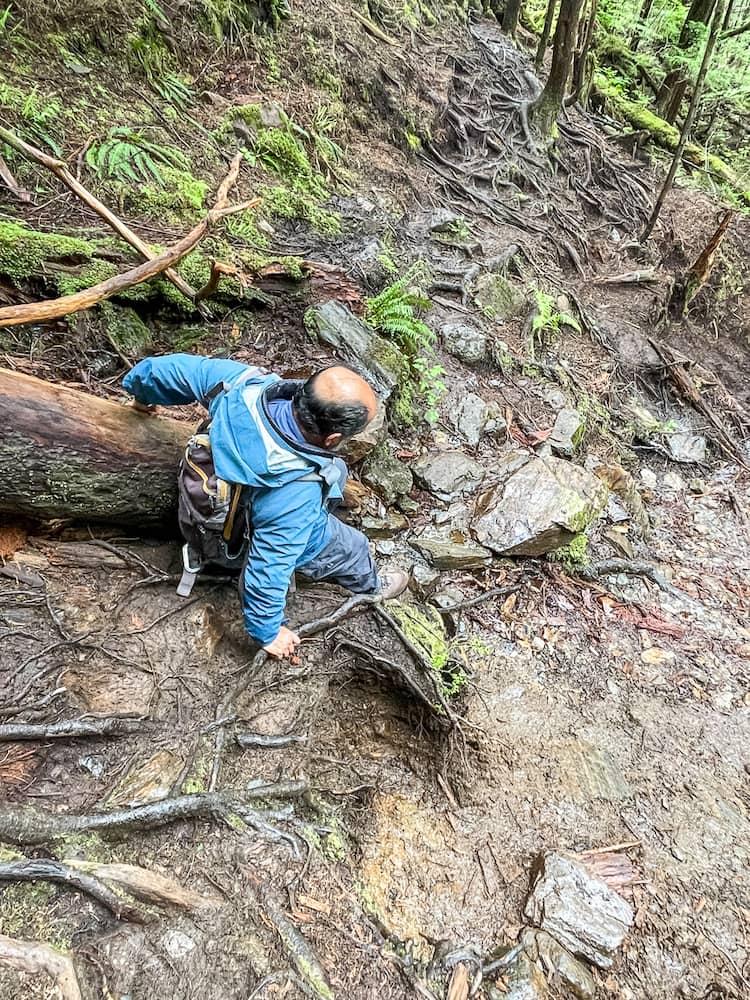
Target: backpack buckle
[[189, 571]]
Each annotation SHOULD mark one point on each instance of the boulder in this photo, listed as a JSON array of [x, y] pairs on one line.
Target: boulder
[[357, 344], [498, 298], [357, 447], [448, 474], [385, 474], [687, 448], [579, 911], [472, 417], [567, 432], [539, 507], [450, 555], [380, 528], [466, 342], [558, 963]]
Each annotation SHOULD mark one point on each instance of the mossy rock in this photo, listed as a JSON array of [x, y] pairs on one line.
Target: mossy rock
[[498, 298]]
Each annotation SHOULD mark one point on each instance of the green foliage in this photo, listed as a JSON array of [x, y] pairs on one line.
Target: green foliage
[[547, 322], [573, 556], [39, 115], [393, 312], [128, 156]]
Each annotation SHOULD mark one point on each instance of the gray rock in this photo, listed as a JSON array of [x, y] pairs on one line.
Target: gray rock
[[467, 343], [472, 416], [451, 555], [558, 963], [379, 528], [498, 298], [177, 944], [357, 344], [567, 432], [425, 577], [685, 447], [357, 447], [580, 911], [540, 507], [383, 472], [447, 474], [385, 548], [523, 981]]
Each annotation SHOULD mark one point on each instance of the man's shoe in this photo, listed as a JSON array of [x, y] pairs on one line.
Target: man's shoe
[[393, 583]]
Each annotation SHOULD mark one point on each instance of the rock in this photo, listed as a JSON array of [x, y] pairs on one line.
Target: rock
[[147, 781], [450, 555], [618, 537], [465, 342], [385, 474], [472, 417], [177, 944], [523, 980], [271, 115], [567, 432], [687, 448], [648, 478], [377, 528], [355, 448], [558, 963], [357, 344], [385, 548], [498, 298], [541, 506], [447, 474], [589, 772], [579, 911]]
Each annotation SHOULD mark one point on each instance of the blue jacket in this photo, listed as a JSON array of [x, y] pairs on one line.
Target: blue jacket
[[289, 525]]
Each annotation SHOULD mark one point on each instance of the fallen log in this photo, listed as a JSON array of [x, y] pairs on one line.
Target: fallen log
[[66, 454]]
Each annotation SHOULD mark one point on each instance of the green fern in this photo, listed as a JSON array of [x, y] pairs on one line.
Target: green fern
[[126, 156], [547, 321]]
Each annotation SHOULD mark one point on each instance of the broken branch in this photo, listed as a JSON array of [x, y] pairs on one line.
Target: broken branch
[[146, 885]]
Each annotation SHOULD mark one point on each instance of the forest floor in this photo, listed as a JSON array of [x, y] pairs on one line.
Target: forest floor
[[598, 713]]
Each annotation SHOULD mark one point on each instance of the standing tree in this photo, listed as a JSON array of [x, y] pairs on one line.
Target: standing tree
[[544, 37], [674, 86], [546, 108], [583, 60], [510, 16], [716, 25]]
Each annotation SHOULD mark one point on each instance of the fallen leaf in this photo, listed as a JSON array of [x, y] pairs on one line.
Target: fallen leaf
[[314, 904]]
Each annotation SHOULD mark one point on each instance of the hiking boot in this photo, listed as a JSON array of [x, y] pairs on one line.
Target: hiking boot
[[393, 583]]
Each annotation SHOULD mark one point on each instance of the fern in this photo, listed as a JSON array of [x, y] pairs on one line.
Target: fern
[[547, 321], [126, 156]]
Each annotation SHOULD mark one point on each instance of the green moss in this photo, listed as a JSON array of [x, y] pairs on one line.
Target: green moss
[[93, 273], [181, 196], [24, 251], [26, 911], [197, 777], [285, 202], [425, 629], [126, 330], [574, 555]]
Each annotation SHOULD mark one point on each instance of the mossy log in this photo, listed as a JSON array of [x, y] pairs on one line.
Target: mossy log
[[66, 454], [668, 137]]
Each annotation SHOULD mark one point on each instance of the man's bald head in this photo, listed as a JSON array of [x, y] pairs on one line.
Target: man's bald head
[[334, 404]]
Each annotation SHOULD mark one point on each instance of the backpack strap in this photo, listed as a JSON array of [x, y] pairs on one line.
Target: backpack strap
[[191, 567]]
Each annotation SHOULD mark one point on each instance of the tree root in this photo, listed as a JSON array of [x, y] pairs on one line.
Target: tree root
[[631, 568], [34, 957], [41, 870], [225, 709], [72, 729], [29, 826], [146, 885]]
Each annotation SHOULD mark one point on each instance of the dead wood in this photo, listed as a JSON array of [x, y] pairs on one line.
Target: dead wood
[[29, 826], [268, 741], [10, 182], [33, 957], [700, 270], [146, 885], [35, 312], [42, 870], [645, 277], [459, 984], [225, 709], [71, 729], [61, 171], [631, 568]]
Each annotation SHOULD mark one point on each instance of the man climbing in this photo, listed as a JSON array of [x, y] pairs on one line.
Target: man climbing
[[273, 438]]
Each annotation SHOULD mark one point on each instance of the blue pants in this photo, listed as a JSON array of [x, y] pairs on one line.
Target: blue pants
[[345, 560]]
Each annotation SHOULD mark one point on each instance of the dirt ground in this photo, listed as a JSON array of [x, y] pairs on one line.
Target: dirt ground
[[598, 712]]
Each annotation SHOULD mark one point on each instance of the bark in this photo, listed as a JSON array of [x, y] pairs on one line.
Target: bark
[[547, 107], [72, 455], [510, 16], [583, 63], [642, 18], [544, 37], [674, 87], [716, 23]]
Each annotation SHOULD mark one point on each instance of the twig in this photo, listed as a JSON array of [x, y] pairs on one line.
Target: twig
[[71, 729], [10, 182], [34, 957], [41, 870]]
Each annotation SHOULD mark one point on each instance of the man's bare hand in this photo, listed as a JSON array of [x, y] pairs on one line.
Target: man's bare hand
[[284, 644]]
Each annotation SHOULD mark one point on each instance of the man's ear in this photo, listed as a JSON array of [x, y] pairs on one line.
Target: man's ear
[[332, 441]]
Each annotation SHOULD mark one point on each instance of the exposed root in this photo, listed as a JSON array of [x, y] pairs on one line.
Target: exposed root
[[146, 885], [72, 729], [632, 569], [33, 957], [41, 870]]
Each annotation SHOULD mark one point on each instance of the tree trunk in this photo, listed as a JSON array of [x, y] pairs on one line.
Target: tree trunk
[[716, 23], [642, 18], [544, 37], [583, 63], [547, 107], [673, 89], [67, 454], [510, 16]]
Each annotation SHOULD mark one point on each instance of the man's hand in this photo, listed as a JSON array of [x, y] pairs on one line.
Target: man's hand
[[284, 644], [142, 407]]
